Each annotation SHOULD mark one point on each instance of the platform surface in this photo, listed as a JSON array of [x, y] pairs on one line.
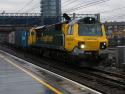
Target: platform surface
[[15, 81], [18, 76]]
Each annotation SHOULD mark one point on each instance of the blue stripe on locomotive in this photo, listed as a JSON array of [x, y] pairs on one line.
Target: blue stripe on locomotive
[[21, 38]]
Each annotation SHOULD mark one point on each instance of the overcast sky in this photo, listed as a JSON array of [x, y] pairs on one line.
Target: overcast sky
[[113, 10]]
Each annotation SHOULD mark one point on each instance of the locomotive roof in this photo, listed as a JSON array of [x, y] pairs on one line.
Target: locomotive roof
[[39, 27], [86, 20]]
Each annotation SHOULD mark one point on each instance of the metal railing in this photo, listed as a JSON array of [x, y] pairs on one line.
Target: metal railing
[[39, 14], [20, 14]]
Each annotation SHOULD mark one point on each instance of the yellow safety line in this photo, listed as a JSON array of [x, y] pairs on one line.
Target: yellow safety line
[[33, 76]]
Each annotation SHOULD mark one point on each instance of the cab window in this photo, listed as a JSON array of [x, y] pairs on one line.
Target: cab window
[[70, 31]]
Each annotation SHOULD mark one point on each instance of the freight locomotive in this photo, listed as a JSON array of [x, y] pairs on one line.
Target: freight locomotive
[[77, 38]]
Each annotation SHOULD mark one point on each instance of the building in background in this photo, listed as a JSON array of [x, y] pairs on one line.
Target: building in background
[[115, 28], [115, 33], [50, 11], [50, 8]]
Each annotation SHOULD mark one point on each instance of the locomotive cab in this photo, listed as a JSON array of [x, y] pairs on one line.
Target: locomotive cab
[[86, 36]]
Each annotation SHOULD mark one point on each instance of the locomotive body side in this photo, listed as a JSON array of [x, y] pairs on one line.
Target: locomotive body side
[[50, 37]]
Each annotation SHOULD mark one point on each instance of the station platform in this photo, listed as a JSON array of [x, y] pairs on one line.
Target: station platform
[[20, 77]]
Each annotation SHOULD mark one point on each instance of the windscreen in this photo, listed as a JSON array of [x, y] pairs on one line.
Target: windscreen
[[89, 30]]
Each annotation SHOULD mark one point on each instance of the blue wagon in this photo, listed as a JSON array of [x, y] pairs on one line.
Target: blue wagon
[[21, 38]]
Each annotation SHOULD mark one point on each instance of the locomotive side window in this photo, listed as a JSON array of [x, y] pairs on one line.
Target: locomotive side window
[[70, 31]]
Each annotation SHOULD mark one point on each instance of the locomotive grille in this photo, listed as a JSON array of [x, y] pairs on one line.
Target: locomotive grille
[[92, 45]]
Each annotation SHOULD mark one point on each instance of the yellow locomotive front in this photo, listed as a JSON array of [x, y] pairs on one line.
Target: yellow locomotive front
[[85, 37]]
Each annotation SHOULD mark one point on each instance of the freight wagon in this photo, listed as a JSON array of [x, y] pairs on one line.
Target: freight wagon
[[19, 38]]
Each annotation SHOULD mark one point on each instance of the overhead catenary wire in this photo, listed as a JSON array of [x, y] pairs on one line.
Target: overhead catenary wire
[[85, 5], [113, 16], [69, 3], [32, 8], [75, 4], [76, 1], [65, 1], [112, 10], [27, 4]]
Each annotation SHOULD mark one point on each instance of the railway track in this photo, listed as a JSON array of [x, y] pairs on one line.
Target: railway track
[[103, 81], [108, 78]]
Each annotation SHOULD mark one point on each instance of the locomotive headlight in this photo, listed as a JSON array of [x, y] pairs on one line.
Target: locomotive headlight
[[103, 45], [82, 46]]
